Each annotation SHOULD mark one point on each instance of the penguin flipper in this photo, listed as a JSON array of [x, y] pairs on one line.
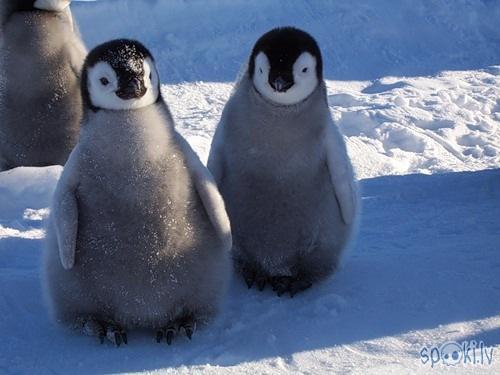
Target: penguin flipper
[[341, 174], [65, 212], [209, 194], [215, 159], [77, 52]]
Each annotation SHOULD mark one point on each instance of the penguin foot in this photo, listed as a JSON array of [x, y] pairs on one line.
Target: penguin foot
[[251, 277], [280, 284], [168, 333], [116, 335], [189, 326], [185, 324], [289, 284], [112, 332]]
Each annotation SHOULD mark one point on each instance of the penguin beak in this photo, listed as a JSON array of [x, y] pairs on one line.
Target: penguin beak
[[280, 84], [134, 89]]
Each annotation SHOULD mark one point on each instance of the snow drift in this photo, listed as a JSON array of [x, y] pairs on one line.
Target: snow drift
[[198, 40]]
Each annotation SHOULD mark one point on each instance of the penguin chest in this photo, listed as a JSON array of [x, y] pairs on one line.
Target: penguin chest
[[134, 214]]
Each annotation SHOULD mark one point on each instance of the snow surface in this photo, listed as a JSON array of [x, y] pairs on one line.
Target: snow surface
[[426, 266], [449, 122], [209, 39]]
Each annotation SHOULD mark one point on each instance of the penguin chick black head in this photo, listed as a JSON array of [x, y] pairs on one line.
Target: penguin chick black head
[[12, 6], [120, 75], [286, 65]]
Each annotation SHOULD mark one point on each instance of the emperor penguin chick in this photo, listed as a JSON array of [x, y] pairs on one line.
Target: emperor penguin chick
[[138, 235], [41, 56], [282, 168]]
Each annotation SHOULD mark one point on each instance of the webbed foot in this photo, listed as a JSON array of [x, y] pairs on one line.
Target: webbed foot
[[252, 276], [104, 330], [289, 284], [185, 323]]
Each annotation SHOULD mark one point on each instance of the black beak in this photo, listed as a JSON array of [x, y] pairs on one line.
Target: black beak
[[134, 89], [280, 84]]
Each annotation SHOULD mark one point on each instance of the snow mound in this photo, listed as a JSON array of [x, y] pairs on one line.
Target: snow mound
[[33, 188], [209, 40], [421, 125], [393, 125]]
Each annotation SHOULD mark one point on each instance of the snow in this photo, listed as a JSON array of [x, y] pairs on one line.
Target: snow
[[415, 89], [194, 40], [393, 125], [424, 271]]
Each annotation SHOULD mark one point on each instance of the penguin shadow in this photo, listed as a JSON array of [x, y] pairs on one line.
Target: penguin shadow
[[422, 261], [378, 87], [490, 337]]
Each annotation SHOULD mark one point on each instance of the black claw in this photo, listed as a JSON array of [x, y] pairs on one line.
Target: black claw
[[105, 330], [170, 336], [159, 336], [288, 284], [281, 284], [249, 277], [189, 332], [274, 285], [261, 283], [249, 282], [118, 339]]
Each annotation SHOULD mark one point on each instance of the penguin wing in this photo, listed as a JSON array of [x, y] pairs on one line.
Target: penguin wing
[[65, 212], [75, 46], [208, 192], [341, 173], [77, 53], [216, 157]]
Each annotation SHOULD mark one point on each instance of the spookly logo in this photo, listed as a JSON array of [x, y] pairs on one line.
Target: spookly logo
[[452, 353]]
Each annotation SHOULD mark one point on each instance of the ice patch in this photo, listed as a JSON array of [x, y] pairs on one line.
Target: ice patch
[[36, 215], [30, 234]]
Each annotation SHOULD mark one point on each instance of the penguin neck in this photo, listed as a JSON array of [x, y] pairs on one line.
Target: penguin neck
[[146, 134], [315, 99], [299, 121]]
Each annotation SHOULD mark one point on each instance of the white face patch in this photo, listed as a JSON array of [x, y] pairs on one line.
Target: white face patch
[[52, 5], [102, 84], [304, 75]]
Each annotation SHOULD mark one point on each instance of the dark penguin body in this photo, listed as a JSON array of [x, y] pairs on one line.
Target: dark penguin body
[[40, 100], [282, 168], [138, 235]]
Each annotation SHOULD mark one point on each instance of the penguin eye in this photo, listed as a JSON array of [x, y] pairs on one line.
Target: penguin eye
[[104, 81], [304, 70]]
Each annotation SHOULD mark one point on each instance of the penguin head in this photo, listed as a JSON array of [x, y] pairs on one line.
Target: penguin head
[[286, 65], [34, 5], [120, 75]]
